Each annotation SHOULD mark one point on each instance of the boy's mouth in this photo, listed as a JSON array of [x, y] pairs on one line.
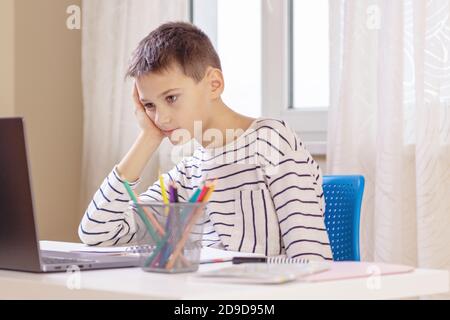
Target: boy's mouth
[[168, 132]]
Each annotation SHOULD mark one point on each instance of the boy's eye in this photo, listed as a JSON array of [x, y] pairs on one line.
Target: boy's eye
[[149, 106], [171, 99]]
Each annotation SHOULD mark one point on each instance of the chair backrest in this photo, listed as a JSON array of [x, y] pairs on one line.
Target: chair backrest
[[343, 197]]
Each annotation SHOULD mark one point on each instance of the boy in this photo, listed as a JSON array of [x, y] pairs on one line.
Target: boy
[[269, 196]]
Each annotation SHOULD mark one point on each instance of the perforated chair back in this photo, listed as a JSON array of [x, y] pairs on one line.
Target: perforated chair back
[[343, 197]]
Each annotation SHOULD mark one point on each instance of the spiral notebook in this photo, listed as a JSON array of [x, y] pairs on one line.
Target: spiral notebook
[[139, 249], [113, 251], [208, 255]]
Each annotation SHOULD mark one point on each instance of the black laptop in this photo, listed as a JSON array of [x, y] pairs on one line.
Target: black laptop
[[19, 245]]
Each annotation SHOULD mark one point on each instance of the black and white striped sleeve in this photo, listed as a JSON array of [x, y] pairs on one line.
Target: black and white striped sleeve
[[108, 221]]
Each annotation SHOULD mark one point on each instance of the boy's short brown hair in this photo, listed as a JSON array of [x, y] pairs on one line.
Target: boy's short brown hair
[[174, 42]]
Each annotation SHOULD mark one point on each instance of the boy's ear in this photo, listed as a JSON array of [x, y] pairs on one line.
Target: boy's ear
[[215, 81]]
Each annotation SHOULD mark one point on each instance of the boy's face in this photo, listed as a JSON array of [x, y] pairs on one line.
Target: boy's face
[[174, 102]]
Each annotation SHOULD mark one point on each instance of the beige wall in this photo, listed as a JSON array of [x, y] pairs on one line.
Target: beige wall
[[6, 58], [46, 91]]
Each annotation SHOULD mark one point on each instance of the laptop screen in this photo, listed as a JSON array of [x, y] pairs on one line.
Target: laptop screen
[[18, 239]]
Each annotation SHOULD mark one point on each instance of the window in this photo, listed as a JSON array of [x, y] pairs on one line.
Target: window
[[234, 26], [310, 54], [275, 57]]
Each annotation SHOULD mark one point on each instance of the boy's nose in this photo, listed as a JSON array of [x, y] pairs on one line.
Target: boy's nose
[[162, 118]]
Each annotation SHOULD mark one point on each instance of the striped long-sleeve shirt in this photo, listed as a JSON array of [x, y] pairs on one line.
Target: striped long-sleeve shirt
[[268, 198]]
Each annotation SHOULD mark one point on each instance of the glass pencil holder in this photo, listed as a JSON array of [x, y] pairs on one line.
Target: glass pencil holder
[[173, 234]]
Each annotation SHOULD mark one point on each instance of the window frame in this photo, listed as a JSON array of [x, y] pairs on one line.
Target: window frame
[[277, 83]]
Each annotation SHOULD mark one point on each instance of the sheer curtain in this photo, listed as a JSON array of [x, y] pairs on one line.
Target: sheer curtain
[[111, 29], [390, 121]]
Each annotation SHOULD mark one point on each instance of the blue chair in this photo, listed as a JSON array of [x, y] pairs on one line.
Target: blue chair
[[343, 197]]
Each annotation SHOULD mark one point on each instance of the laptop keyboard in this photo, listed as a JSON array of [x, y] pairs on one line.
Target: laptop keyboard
[[57, 260]]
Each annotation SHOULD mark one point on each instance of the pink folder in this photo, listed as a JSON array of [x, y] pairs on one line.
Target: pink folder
[[355, 269]]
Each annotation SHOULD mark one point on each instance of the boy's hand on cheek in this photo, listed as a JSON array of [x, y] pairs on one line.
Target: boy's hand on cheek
[[145, 123]]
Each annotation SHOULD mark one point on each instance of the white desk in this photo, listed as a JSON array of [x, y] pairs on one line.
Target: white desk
[[133, 283]]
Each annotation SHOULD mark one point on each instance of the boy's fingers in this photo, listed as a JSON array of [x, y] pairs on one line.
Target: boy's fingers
[[134, 90], [136, 99], [135, 93]]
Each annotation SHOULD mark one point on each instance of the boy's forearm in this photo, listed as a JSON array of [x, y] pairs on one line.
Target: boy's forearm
[[134, 162]]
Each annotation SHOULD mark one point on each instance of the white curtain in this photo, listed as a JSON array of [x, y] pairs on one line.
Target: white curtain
[[390, 121], [111, 29]]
